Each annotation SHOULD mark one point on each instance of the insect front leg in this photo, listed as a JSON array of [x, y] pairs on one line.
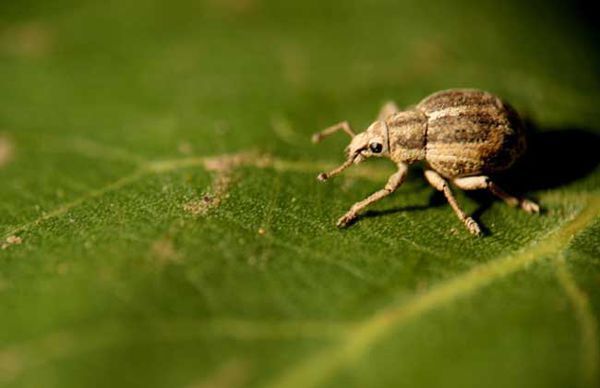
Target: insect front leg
[[484, 182], [392, 184], [388, 109], [440, 184]]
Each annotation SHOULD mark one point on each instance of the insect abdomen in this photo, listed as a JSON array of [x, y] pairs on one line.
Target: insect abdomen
[[470, 132]]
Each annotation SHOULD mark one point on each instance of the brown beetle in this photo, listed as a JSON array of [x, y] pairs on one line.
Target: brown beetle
[[462, 135]]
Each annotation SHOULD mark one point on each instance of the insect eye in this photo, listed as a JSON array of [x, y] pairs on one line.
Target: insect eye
[[376, 147]]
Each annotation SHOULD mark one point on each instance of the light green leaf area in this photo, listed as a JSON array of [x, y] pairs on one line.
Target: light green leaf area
[[161, 224]]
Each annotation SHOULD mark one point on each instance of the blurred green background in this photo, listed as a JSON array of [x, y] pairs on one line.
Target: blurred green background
[[129, 259]]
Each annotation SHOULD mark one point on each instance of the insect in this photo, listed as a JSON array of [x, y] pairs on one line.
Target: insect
[[461, 135]]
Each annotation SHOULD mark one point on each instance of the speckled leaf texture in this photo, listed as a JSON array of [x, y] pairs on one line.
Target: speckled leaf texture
[[161, 224]]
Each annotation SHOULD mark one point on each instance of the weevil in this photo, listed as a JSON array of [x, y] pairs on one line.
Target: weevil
[[462, 135]]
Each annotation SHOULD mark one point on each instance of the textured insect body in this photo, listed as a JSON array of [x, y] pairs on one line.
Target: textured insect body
[[470, 133], [408, 136], [461, 135]]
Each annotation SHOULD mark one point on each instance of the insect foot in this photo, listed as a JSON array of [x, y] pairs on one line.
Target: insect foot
[[473, 226], [530, 206], [346, 219]]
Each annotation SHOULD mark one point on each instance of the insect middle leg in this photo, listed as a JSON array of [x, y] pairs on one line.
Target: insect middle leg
[[440, 184], [484, 182], [392, 184]]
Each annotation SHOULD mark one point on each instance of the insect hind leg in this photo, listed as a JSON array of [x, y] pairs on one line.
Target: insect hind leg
[[484, 182]]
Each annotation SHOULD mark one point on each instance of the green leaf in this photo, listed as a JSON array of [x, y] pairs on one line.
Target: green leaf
[[161, 225]]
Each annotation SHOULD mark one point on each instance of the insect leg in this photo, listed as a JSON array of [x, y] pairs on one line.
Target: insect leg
[[440, 184], [344, 126], [392, 184], [388, 109], [484, 182]]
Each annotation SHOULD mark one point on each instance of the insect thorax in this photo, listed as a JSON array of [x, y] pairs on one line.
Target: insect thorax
[[407, 136]]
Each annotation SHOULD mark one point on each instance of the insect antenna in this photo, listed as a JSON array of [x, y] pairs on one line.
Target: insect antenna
[[326, 175]]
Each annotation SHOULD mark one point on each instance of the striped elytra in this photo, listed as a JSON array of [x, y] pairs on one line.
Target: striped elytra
[[458, 132]]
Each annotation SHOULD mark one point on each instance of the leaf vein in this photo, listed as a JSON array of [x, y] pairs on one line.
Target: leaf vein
[[318, 368], [586, 320]]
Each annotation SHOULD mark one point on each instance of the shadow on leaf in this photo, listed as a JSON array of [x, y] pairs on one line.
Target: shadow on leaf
[[554, 158], [394, 210]]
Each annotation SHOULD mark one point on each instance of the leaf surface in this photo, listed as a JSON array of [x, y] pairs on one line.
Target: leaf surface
[[161, 224]]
